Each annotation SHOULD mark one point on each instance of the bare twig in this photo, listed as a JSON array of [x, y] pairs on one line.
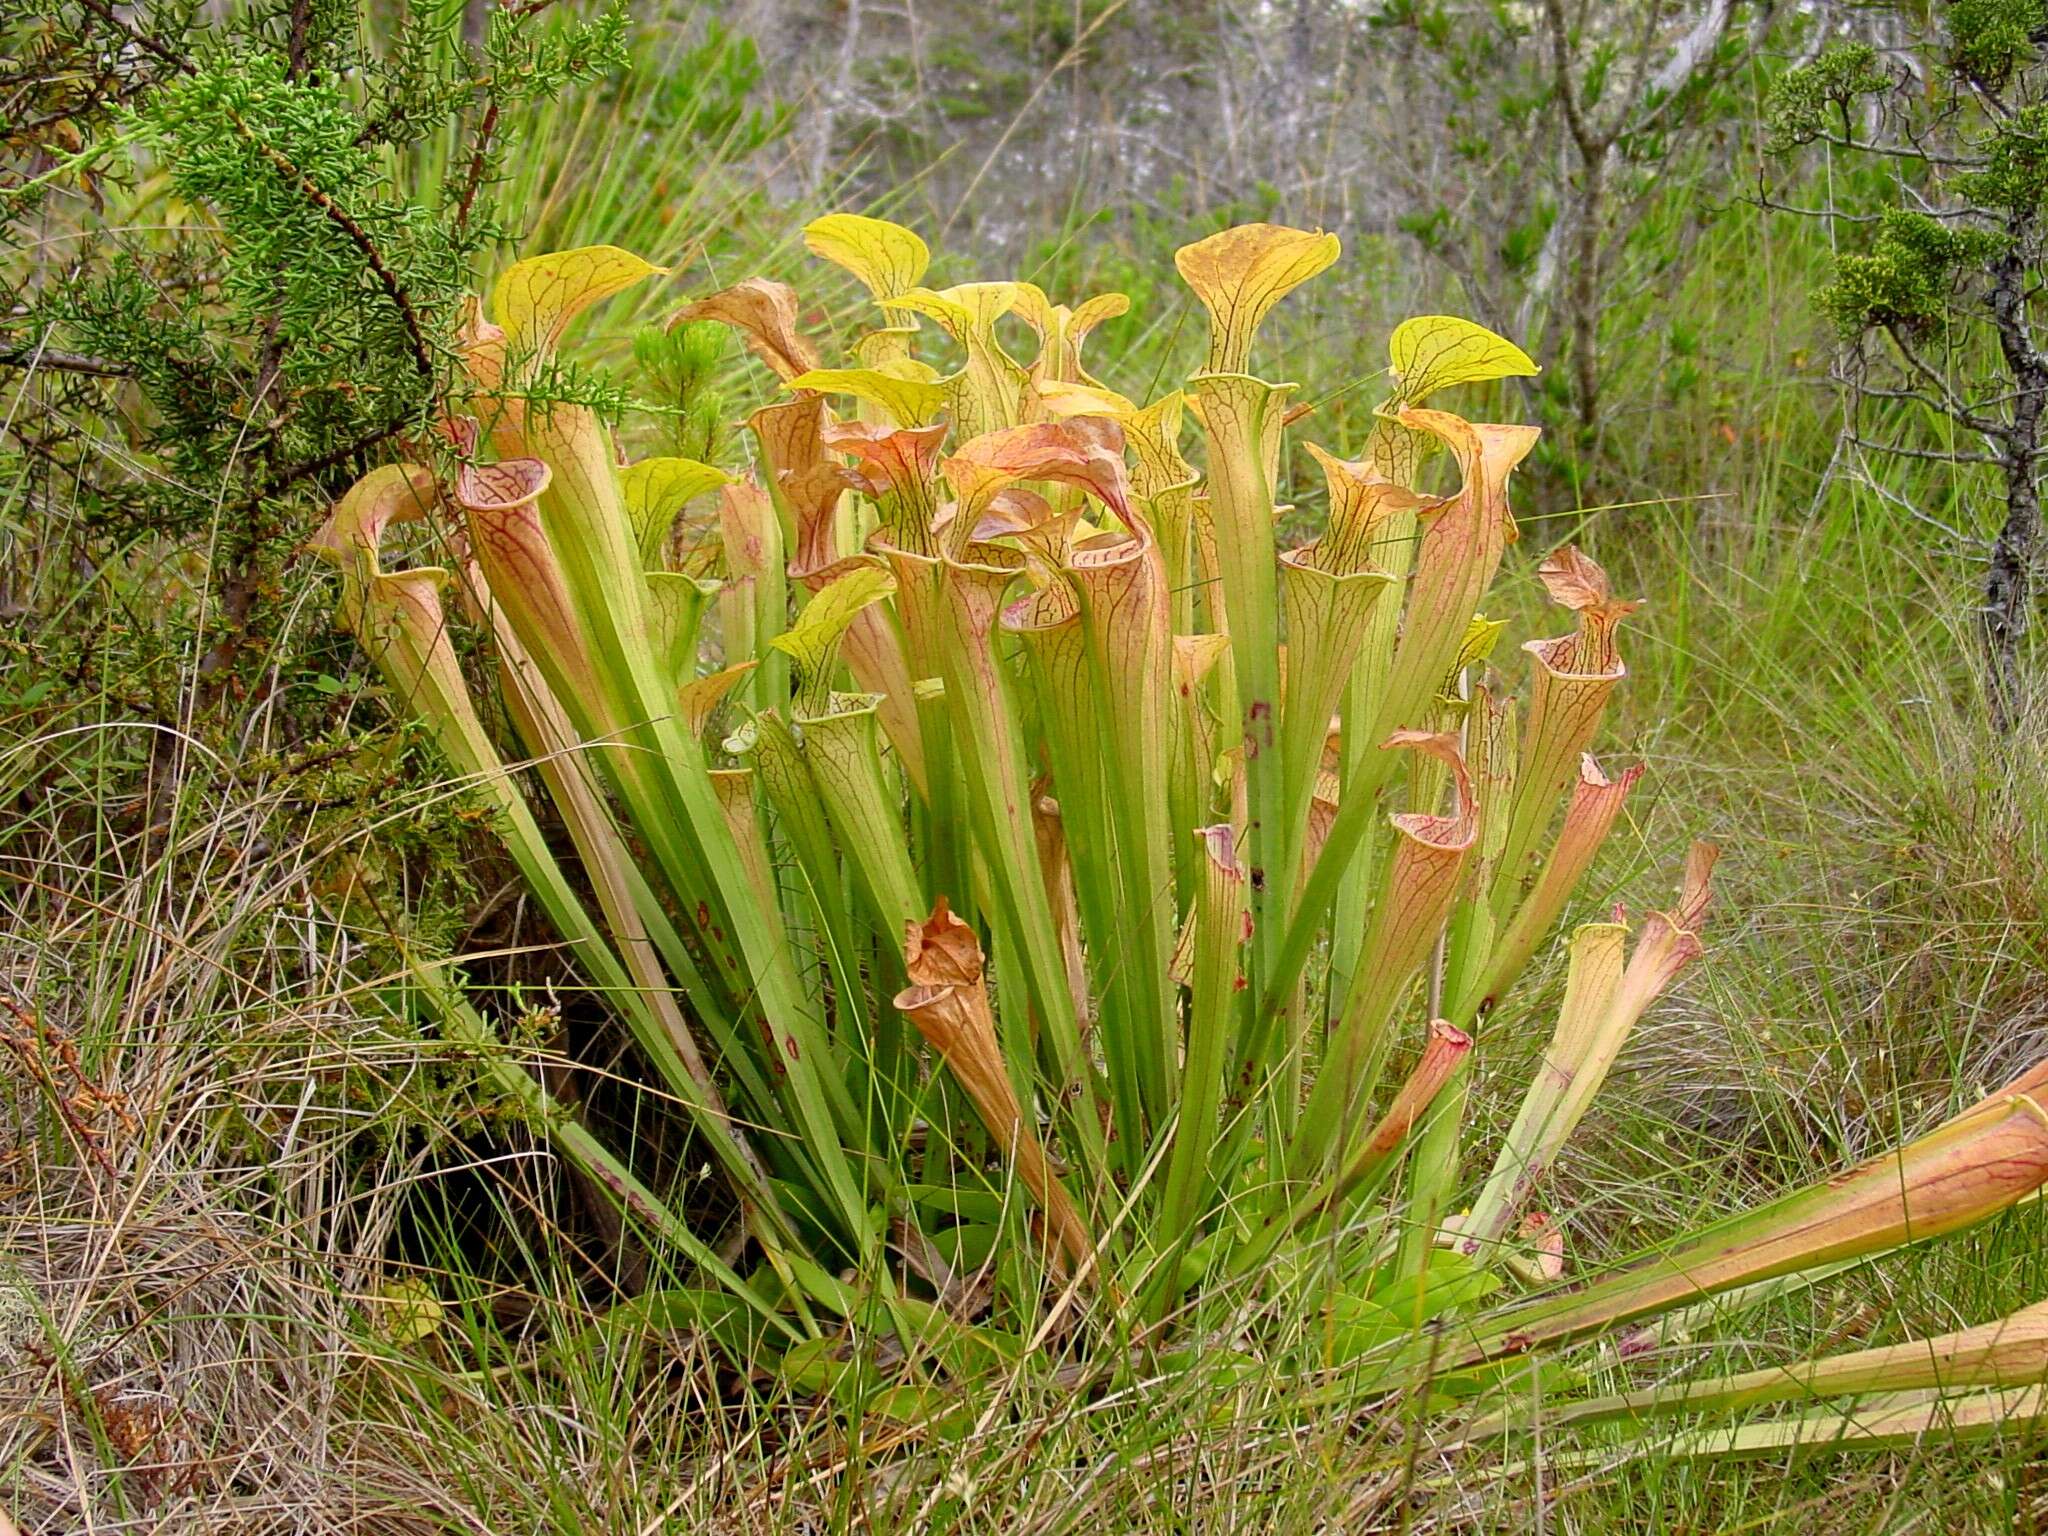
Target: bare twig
[[473, 179], [1966, 544], [1770, 204], [1896, 151], [1881, 392], [1998, 431], [1561, 72], [34, 358], [1939, 456], [332, 459], [137, 36]]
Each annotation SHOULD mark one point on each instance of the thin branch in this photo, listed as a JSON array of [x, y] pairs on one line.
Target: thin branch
[[109, 90], [33, 358], [1561, 66], [1919, 397], [1641, 76], [1896, 151], [300, 38], [1694, 54], [140, 38], [1884, 492], [1953, 406], [360, 238], [1950, 456], [1916, 396], [334, 458], [475, 176], [1770, 204]]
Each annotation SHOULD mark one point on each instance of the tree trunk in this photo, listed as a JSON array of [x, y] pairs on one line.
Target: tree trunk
[[2008, 585], [2008, 590]]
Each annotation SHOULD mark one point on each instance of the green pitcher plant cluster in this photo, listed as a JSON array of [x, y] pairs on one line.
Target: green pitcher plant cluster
[[1058, 909]]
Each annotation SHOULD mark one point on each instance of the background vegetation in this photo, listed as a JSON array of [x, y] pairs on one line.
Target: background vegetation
[[267, 1262]]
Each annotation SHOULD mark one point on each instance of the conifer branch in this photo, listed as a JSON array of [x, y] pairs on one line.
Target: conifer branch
[[360, 238]]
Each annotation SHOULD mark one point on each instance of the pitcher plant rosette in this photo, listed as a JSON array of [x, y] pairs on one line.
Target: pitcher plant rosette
[[1065, 917]]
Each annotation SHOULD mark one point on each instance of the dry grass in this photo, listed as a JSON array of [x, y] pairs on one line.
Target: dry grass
[[185, 1244]]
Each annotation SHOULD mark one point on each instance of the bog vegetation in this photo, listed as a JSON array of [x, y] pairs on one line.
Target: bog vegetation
[[882, 897], [965, 806]]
